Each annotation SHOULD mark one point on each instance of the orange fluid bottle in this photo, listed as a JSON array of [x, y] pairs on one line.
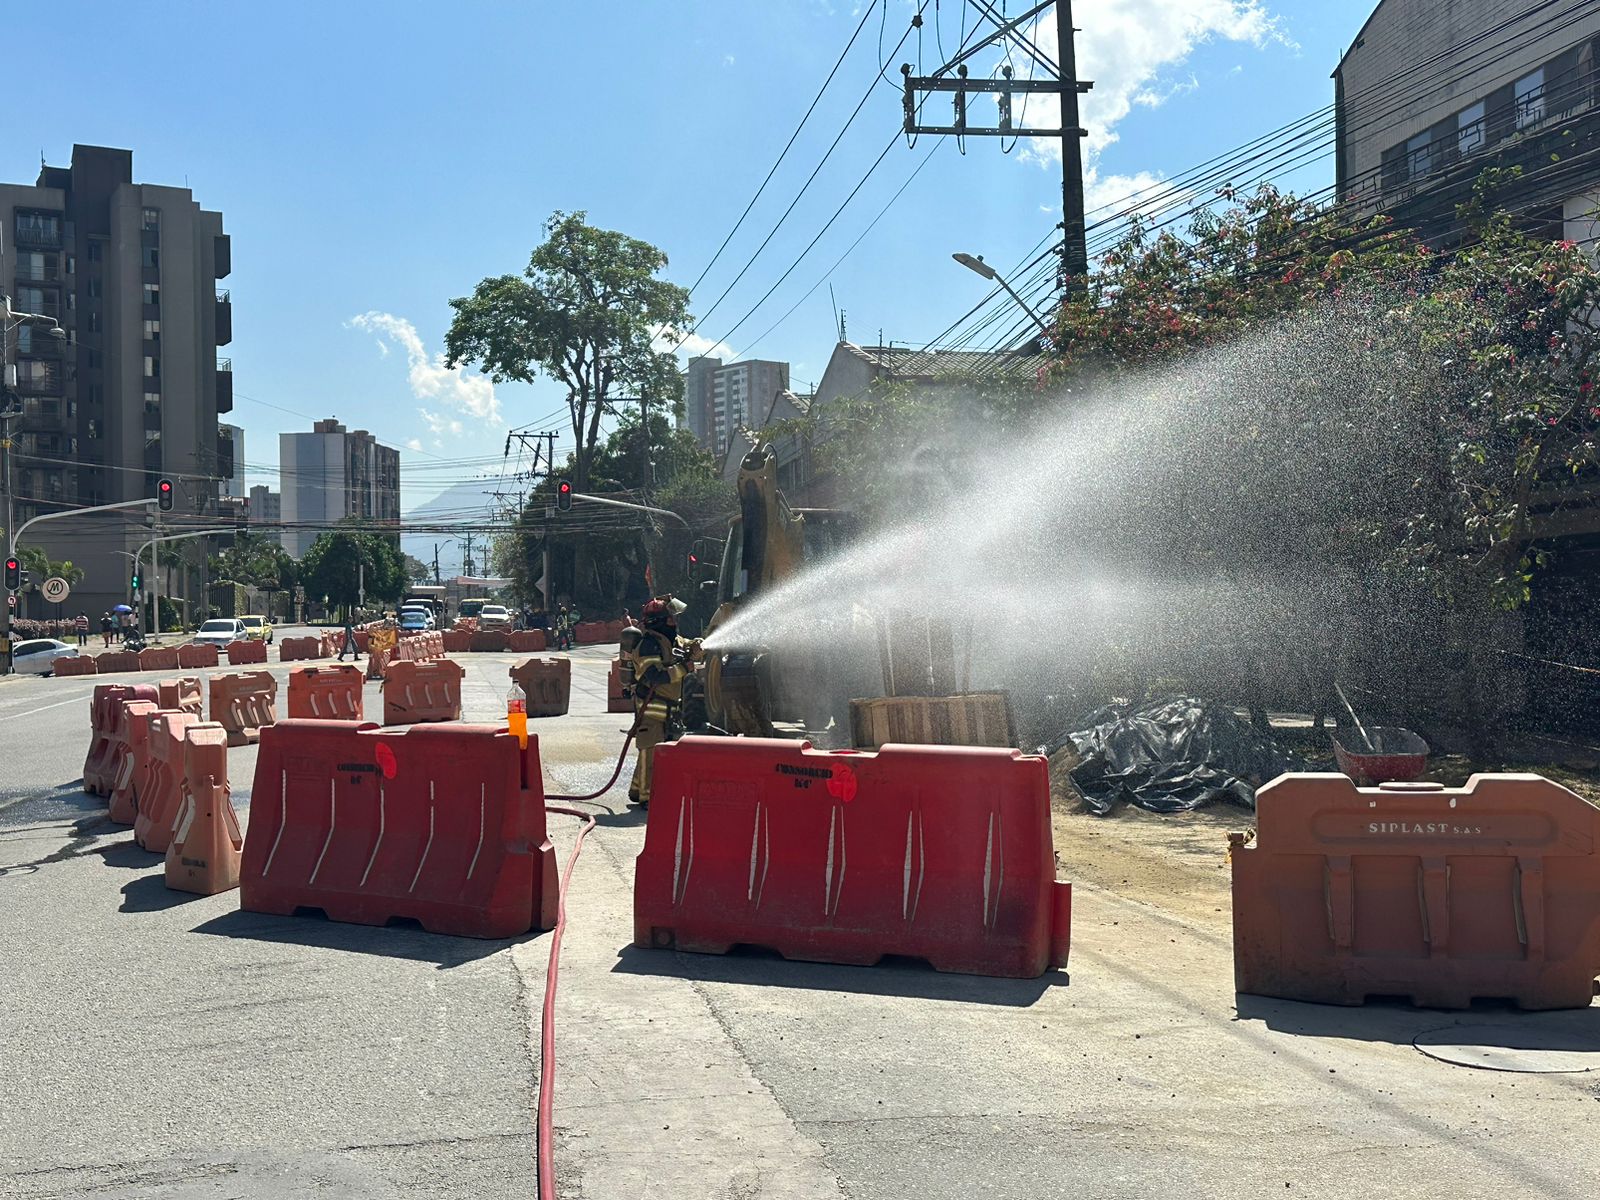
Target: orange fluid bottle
[[517, 713]]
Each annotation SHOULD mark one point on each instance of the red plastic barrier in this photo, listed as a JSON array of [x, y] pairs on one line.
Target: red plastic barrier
[[116, 662], [241, 653], [614, 630], [196, 656], [546, 683], [936, 852], [158, 658], [1443, 895], [442, 824], [422, 691], [108, 728], [158, 775], [203, 856], [296, 649], [182, 694], [135, 731], [83, 664], [326, 693], [526, 641], [489, 641], [616, 700], [457, 641], [243, 704], [589, 633]]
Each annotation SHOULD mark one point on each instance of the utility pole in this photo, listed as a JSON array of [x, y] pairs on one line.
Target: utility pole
[[466, 555], [436, 563], [1074, 247]]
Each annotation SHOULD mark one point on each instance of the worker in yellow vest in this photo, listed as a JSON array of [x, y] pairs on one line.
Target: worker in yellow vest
[[658, 661]]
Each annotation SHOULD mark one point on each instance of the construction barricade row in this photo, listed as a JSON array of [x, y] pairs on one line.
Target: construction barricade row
[[547, 684], [331, 693], [83, 664], [120, 801], [489, 641], [457, 641], [246, 653], [935, 852], [158, 776], [444, 825], [526, 641], [206, 846], [244, 703], [116, 661], [1443, 896], [158, 658], [414, 692], [108, 733], [196, 656], [294, 649]]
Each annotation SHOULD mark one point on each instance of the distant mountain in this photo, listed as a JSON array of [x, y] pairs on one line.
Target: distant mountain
[[470, 500]]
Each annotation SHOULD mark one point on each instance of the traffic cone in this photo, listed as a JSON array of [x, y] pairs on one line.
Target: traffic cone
[[205, 851]]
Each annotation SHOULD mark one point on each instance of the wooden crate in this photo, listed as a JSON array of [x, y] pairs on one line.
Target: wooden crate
[[971, 719]]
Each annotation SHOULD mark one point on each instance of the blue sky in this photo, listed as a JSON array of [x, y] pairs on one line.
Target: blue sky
[[373, 160]]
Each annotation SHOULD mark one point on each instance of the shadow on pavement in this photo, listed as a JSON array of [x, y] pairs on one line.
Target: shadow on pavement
[[150, 893], [400, 940], [1398, 1022], [910, 978], [128, 854]]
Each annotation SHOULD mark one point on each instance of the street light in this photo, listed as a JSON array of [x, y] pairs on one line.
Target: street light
[[976, 263]]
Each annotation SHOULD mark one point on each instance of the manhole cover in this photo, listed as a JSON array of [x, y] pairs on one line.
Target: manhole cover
[[1544, 1049]]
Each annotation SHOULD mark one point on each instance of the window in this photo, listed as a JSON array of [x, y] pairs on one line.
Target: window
[[1417, 155], [96, 251], [92, 428], [1529, 93], [152, 293], [150, 256], [152, 402], [38, 229], [152, 331], [95, 289], [94, 320], [72, 264], [1470, 129], [151, 219], [152, 367]]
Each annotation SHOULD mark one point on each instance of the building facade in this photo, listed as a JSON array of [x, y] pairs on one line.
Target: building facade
[[266, 511], [230, 461], [1429, 94], [332, 474], [133, 392], [719, 399]]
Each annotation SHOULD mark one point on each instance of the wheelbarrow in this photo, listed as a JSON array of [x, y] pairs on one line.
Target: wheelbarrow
[[1389, 755]]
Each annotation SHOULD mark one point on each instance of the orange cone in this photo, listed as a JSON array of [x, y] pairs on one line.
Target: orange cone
[[204, 854]]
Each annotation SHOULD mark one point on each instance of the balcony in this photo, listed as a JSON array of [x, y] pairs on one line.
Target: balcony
[[36, 378], [46, 271], [38, 231], [224, 385], [224, 318]]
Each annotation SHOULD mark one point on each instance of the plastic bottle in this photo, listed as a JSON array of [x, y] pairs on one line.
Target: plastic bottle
[[517, 713]]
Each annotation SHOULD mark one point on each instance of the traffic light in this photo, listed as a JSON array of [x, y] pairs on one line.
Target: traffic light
[[692, 568], [164, 495], [13, 575], [134, 581], [564, 495]]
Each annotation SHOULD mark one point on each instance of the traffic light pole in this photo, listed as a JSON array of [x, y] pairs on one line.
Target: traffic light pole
[[14, 536], [155, 569]]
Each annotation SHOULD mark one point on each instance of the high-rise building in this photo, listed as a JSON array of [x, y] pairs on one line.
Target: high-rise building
[[266, 510], [331, 474], [719, 399], [230, 461], [132, 393]]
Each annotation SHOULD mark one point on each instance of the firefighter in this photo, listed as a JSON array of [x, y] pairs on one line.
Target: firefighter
[[656, 661]]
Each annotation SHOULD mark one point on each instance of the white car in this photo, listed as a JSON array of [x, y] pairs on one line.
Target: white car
[[221, 631], [414, 617], [494, 616], [38, 656]]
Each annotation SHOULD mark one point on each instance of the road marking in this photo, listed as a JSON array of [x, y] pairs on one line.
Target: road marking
[[43, 707]]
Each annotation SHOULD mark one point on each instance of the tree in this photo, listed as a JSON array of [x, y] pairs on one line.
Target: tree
[[343, 562], [417, 570], [589, 312]]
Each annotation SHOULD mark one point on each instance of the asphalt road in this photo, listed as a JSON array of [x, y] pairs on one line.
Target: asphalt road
[[156, 1044]]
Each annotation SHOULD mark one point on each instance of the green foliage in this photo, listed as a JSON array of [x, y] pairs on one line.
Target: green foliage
[[255, 561], [332, 567], [590, 313], [417, 571]]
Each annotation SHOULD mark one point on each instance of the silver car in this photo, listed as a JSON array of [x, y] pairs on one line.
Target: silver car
[[38, 656]]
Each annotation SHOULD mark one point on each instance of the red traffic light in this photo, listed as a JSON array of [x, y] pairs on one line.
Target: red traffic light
[[164, 495], [13, 574], [564, 495]]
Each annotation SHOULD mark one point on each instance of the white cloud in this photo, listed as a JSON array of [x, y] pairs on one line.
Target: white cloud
[[430, 379], [694, 346], [438, 425], [413, 443], [727, 60]]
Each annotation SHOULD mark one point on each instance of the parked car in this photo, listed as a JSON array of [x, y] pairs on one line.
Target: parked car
[[38, 657], [258, 628], [415, 620], [221, 631], [494, 616]]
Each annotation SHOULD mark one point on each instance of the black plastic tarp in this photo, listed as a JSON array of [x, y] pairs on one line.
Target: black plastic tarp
[[1172, 756]]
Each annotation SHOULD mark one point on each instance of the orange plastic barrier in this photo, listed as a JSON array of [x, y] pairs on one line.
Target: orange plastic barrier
[[203, 856], [377, 663], [158, 777], [526, 641], [442, 824], [617, 700], [457, 641], [936, 852], [84, 664], [489, 641], [547, 683], [422, 691], [196, 656], [589, 633], [182, 694], [244, 653], [135, 731], [295, 649], [326, 693], [116, 661], [1441, 895], [243, 703], [158, 658], [108, 729]]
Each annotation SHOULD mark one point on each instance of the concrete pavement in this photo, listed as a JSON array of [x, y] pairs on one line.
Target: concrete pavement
[[163, 1045]]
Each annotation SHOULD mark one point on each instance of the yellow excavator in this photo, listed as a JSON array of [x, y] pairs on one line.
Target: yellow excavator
[[750, 688]]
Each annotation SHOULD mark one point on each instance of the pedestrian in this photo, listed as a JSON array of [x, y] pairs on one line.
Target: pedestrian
[[350, 645], [105, 628], [127, 626], [81, 625]]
